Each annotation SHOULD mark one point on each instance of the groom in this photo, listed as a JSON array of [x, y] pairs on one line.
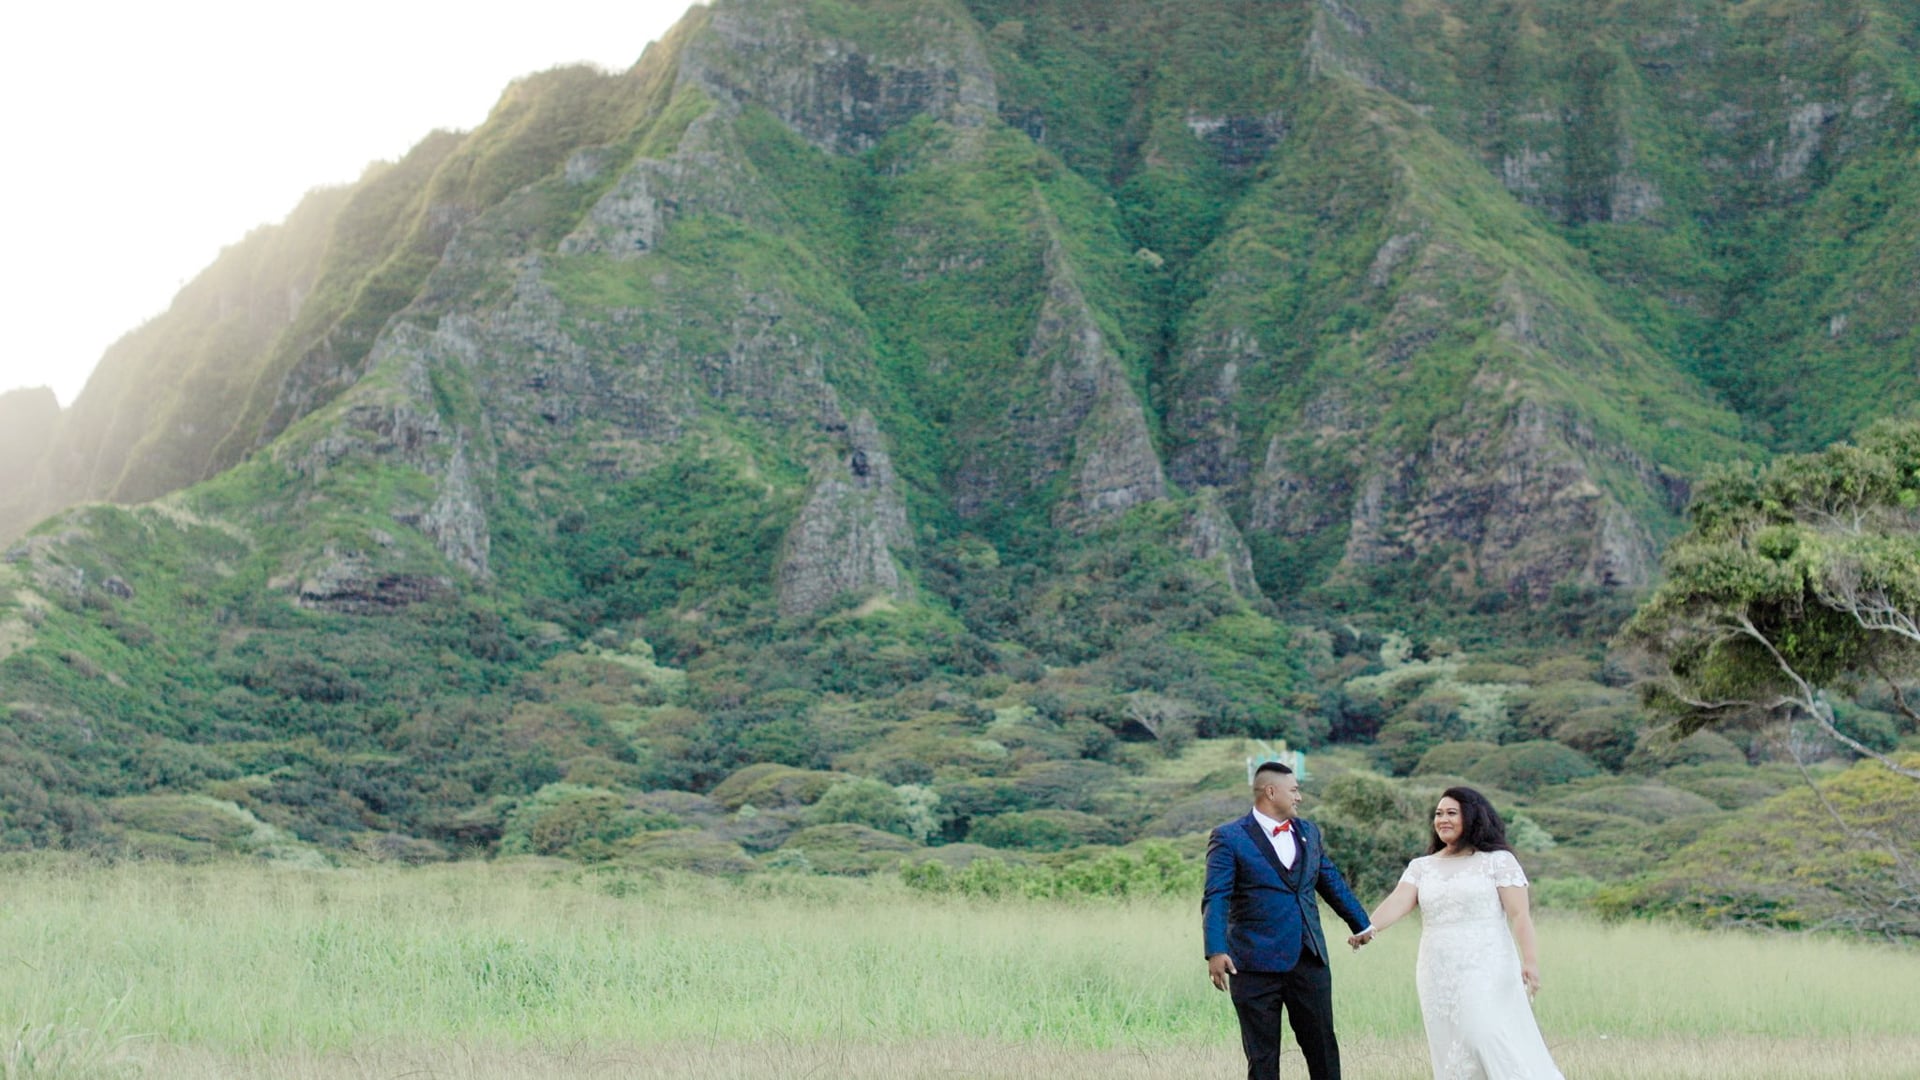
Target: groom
[[1262, 926]]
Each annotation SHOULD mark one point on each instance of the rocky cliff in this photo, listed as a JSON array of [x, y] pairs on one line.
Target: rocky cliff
[[950, 338], [1477, 187]]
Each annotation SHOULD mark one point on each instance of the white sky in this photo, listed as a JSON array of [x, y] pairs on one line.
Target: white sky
[[141, 138]]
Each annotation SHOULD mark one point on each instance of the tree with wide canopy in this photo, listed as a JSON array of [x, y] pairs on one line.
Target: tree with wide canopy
[[1797, 581]]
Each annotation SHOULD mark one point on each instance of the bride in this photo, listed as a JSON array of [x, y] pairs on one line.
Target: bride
[[1474, 992]]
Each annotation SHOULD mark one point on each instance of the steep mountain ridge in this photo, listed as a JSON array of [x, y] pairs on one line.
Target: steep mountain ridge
[[1430, 372], [929, 390]]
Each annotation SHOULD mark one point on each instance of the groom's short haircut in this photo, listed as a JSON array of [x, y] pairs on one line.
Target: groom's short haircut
[[1270, 772]]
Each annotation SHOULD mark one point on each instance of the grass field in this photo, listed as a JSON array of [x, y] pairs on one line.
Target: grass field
[[536, 970]]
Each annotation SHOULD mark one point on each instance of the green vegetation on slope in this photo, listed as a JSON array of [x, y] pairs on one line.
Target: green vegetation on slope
[[1427, 314]]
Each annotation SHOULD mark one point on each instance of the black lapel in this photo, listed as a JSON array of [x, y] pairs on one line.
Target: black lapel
[[1306, 858], [1265, 847]]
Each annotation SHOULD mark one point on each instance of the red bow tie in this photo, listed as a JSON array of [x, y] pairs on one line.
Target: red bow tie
[[1285, 826]]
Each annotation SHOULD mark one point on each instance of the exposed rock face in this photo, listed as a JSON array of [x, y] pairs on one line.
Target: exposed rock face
[[348, 583], [1091, 423], [852, 524], [1134, 298], [1212, 537], [401, 425], [457, 522], [707, 173], [1286, 502], [1370, 344], [563, 381], [546, 376], [840, 95], [1240, 142], [625, 223], [1205, 412], [1517, 498], [1482, 407]]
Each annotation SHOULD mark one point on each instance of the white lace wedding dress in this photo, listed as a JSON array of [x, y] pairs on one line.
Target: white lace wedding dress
[[1480, 1024]]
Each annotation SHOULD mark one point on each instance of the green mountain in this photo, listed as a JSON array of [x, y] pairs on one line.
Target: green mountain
[[976, 398]]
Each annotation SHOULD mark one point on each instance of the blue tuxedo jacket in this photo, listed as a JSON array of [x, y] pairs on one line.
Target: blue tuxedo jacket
[[1259, 912]]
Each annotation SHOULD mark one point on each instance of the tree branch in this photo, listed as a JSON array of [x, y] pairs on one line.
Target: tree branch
[[1899, 695], [1872, 608], [1809, 701]]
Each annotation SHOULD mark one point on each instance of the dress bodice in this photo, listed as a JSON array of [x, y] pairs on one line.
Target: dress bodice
[[1462, 889]]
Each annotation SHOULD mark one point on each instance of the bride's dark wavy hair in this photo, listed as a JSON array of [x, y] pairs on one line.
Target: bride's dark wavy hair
[[1480, 826]]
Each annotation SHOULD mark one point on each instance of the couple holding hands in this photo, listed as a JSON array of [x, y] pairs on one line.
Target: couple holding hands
[[1261, 918]]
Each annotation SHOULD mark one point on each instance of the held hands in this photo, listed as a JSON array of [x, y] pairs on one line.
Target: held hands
[[1219, 966], [1360, 939]]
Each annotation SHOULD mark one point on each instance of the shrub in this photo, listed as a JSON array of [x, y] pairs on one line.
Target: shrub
[[1606, 733], [848, 848], [1589, 828], [594, 770], [1660, 750], [1153, 869], [1454, 758], [576, 822], [957, 856], [1198, 813], [1372, 800], [1878, 730], [686, 850], [189, 817], [924, 817], [1731, 873], [768, 785], [1728, 786], [398, 848], [1439, 709], [1401, 745], [1529, 766], [164, 763], [980, 796], [1489, 671], [1065, 785], [1371, 854], [1544, 708], [1525, 834], [1042, 830], [1651, 803], [1565, 892], [1359, 716], [861, 802]]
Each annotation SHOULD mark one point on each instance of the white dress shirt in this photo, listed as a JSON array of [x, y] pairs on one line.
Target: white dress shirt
[[1284, 844]]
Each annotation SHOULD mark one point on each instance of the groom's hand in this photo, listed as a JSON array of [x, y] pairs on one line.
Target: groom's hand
[[1360, 939], [1219, 966]]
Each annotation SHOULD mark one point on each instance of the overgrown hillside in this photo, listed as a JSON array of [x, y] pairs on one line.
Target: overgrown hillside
[[871, 427]]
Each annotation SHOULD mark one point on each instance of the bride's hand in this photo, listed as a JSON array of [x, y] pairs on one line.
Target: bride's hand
[[1530, 974]]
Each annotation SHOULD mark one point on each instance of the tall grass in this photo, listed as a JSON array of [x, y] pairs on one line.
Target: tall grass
[[1724, 1058], [225, 964]]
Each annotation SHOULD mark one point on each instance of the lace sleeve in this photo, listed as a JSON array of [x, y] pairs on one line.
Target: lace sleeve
[[1411, 875], [1505, 870]]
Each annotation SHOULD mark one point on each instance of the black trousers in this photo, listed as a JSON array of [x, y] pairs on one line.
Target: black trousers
[[1306, 994]]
